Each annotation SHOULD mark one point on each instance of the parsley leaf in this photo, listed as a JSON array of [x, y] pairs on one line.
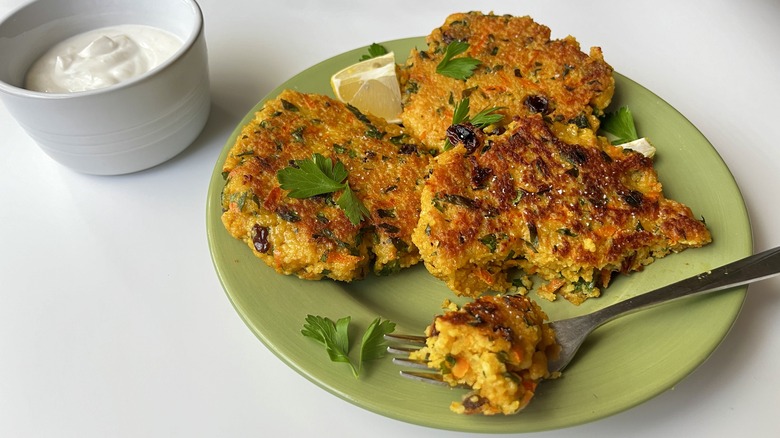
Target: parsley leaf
[[335, 337], [461, 113], [318, 176], [374, 345], [353, 208], [374, 50], [621, 125], [313, 177], [457, 68], [487, 117]]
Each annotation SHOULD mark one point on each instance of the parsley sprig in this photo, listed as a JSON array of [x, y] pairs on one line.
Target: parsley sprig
[[334, 336], [374, 50], [486, 117], [620, 124], [318, 175], [458, 68]]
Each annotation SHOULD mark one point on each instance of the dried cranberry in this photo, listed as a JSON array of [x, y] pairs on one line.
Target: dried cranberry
[[260, 238], [479, 177], [407, 149], [473, 403], [634, 198], [463, 133], [537, 104]]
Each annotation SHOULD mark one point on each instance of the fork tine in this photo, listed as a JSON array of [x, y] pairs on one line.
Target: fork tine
[[397, 349], [402, 361], [413, 343], [407, 339], [421, 376], [431, 378]]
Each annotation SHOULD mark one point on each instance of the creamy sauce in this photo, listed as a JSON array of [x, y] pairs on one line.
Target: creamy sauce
[[101, 58]]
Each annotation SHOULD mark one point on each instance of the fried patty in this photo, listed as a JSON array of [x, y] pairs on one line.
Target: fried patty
[[312, 237], [556, 201], [522, 71], [498, 345]]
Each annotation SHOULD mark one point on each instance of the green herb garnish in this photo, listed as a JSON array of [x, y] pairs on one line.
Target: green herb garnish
[[373, 345], [486, 117], [620, 124], [334, 336], [461, 113], [374, 50], [318, 176], [457, 68]]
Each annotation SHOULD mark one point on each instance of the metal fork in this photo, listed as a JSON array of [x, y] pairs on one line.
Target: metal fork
[[571, 333]]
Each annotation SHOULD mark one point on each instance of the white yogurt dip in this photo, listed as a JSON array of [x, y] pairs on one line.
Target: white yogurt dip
[[101, 58]]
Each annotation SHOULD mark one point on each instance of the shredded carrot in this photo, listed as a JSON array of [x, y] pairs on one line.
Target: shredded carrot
[[606, 230], [273, 199], [517, 355], [485, 276], [553, 285], [338, 257], [460, 368]]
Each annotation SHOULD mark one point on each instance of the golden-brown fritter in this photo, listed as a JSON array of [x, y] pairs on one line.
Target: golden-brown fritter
[[558, 202], [312, 237], [522, 70], [498, 345]]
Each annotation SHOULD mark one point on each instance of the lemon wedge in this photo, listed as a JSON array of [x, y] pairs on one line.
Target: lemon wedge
[[370, 86]]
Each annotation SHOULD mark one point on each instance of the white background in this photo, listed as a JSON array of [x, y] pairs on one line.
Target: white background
[[114, 324]]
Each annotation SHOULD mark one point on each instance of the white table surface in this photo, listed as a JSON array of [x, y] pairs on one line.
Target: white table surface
[[113, 322]]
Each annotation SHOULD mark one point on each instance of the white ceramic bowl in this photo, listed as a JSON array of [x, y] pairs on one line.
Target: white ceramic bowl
[[123, 128]]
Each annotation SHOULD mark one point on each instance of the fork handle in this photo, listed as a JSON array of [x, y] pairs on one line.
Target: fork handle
[[757, 267]]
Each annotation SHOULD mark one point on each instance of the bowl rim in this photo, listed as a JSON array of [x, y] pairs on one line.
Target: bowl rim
[[187, 46]]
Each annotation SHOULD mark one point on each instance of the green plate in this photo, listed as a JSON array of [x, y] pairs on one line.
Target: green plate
[[623, 363]]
